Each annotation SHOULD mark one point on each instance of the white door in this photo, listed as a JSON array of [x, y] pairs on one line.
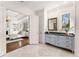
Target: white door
[[34, 30], [2, 31]]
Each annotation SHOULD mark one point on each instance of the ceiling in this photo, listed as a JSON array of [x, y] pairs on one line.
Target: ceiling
[[35, 5]]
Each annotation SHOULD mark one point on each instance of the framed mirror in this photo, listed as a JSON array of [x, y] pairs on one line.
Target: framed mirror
[[52, 24]]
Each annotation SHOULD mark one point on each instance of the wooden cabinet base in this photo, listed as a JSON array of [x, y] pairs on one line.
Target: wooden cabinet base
[[12, 46], [24, 42], [15, 45]]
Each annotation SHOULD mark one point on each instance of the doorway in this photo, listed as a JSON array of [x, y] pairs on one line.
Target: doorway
[[17, 30]]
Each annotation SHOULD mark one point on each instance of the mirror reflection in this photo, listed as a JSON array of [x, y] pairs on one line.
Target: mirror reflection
[[17, 25]]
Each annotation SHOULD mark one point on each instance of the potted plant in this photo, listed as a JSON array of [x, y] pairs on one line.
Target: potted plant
[[67, 28]]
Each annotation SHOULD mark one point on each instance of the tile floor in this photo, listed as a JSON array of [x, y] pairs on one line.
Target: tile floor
[[39, 51]]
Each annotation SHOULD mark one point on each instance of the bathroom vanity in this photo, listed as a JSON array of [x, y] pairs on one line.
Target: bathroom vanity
[[60, 39], [15, 44]]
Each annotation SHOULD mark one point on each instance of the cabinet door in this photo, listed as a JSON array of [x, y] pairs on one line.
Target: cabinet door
[[47, 38], [70, 43], [12, 46], [52, 39], [58, 41], [62, 42], [25, 41]]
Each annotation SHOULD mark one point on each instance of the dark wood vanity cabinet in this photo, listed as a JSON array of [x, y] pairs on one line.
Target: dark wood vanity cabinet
[[12, 46], [17, 44]]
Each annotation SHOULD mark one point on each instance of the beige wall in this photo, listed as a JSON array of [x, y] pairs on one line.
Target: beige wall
[[77, 29], [34, 30], [58, 12], [20, 9], [42, 24], [16, 6], [2, 31], [40, 13]]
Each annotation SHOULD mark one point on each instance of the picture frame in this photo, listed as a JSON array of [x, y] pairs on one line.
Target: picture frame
[[66, 22], [52, 24]]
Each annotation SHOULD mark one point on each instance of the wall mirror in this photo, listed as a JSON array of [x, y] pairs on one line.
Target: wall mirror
[[52, 24], [18, 24]]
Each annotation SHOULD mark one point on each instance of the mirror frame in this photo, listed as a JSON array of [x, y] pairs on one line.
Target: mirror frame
[[55, 29]]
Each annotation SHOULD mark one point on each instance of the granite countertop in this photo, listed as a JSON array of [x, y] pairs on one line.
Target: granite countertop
[[61, 34]]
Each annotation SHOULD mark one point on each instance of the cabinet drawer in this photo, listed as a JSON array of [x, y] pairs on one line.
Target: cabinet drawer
[[71, 38], [12, 46], [68, 42]]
